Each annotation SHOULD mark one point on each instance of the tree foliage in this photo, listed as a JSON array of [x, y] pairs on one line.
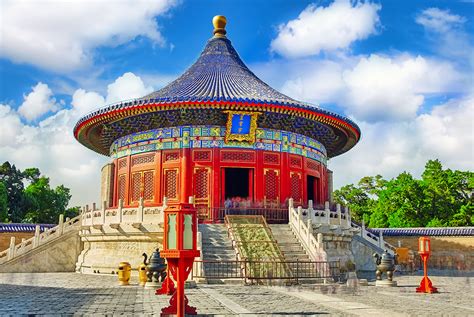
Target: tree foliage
[[37, 203], [442, 197]]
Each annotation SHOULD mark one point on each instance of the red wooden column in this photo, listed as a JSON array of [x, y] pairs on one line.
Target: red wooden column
[[285, 177], [215, 183], [258, 177], [186, 176], [114, 202]]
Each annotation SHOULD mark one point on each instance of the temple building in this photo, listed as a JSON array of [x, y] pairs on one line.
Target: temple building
[[216, 133]]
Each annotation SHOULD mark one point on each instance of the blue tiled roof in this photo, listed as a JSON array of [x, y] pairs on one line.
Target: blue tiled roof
[[219, 74], [446, 231], [23, 227]]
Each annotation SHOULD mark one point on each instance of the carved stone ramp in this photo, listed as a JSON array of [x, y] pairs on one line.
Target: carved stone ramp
[[55, 250]]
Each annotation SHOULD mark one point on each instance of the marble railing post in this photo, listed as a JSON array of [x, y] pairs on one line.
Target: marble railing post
[[94, 207], [381, 242], [327, 212], [165, 202], [191, 200], [320, 239], [310, 231], [36, 237], [290, 203], [339, 214], [310, 209], [140, 211], [11, 251], [104, 207], [61, 224], [300, 214], [120, 206], [362, 231], [348, 216]]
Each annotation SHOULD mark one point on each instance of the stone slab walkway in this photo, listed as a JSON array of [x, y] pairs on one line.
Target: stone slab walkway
[[64, 294]]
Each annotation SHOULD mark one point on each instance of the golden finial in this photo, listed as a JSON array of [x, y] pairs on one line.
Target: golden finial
[[219, 22]]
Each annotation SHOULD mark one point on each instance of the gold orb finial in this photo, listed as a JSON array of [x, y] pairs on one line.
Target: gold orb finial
[[219, 22]]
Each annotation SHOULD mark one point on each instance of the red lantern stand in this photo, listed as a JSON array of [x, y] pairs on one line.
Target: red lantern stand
[[424, 249], [179, 249]]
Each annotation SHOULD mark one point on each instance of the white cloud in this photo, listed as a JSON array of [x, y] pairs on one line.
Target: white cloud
[[61, 35], [51, 146], [326, 28], [38, 102], [85, 102], [10, 125], [369, 88], [384, 88], [389, 148], [439, 20], [125, 87]]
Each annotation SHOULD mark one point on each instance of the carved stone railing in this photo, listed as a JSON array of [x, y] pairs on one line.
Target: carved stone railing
[[39, 239], [302, 226], [336, 221], [375, 240], [114, 217]]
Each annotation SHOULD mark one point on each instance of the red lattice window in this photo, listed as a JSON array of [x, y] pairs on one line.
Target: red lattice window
[[171, 184], [148, 185], [122, 163], [202, 156], [201, 183], [295, 187], [121, 187], [271, 185], [295, 161], [271, 158], [312, 165], [136, 182], [240, 156], [143, 159], [171, 157]]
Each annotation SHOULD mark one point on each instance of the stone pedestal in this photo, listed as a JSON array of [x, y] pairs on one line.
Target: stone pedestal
[[153, 285], [106, 247], [386, 283]]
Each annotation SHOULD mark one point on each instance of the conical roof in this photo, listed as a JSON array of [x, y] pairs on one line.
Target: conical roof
[[219, 74], [218, 81]]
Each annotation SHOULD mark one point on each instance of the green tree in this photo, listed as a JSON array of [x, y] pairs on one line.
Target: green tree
[[12, 178], [3, 202], [44, 204], [399, 204]]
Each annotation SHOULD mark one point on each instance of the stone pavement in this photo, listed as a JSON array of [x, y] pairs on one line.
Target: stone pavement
[[55, 294]]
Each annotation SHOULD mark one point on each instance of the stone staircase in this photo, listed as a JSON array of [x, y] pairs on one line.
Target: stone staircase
[[288, 243], [216, 246]]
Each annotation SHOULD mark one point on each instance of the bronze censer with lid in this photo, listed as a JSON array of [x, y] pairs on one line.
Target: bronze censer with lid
[[385, 264], [156, 269]]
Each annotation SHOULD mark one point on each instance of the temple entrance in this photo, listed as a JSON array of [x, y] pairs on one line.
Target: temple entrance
[[237, 183], [312, 188]]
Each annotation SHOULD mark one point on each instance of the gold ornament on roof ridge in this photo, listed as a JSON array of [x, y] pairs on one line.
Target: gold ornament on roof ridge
[[219, 22]]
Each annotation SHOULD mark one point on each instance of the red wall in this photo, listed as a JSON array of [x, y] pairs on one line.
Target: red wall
[[178, 174]]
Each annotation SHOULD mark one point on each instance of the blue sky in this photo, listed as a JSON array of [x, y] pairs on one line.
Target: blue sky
[[401, 69]]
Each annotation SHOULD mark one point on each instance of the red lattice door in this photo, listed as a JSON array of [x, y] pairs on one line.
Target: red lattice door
[[296, 188], [202, 192], [271, 197], [142, 186], [171, 184]]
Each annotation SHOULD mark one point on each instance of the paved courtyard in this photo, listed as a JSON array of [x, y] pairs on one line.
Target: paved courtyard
[[70, 293]]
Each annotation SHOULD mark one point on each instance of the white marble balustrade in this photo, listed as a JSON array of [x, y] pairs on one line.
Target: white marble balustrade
[[39, 238]]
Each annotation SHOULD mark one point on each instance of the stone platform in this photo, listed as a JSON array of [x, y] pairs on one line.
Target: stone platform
[[55, 294]]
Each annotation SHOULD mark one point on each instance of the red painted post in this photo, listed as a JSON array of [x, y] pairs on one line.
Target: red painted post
[[424, 249], [180, 249]]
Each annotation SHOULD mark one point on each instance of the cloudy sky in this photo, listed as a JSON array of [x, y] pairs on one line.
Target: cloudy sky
[[403, 70]]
